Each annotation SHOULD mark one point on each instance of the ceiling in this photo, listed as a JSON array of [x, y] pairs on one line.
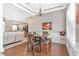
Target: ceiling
[[44, 6], [31, 9]]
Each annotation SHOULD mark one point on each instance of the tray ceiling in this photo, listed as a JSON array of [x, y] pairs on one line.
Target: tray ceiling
[[31, 9]]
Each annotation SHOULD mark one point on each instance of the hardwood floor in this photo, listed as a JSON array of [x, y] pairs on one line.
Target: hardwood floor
[[54, 50]]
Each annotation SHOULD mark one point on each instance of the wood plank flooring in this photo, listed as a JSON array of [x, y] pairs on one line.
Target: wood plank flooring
[[54, 50]]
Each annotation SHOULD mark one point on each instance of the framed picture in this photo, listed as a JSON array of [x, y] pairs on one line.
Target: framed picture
[[47, 26]]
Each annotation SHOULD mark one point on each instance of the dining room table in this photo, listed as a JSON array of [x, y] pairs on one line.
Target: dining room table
[[40, 40]]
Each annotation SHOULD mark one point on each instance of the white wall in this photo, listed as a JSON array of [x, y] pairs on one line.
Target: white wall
[[14, 13], [8, 25], [71, 23], [57, 18], [1, 29], [71, 29]]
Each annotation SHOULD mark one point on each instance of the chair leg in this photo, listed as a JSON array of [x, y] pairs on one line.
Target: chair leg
[[50, 43], [47, 46], [25, 50], [33, 50], [40, 48]]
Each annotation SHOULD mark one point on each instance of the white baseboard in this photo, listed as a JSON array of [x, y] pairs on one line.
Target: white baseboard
[[1, 50], [58, 42], [12, 45], [71, 50]]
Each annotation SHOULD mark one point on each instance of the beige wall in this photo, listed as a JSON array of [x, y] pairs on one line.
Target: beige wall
[[58, 19]]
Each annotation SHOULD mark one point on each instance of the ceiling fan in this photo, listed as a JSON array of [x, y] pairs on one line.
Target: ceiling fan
[[40, 10]]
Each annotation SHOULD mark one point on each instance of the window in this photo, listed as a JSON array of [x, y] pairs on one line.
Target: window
[[14, 27]]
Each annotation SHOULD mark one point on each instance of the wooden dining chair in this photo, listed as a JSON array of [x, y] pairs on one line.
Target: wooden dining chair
[[34, 33], [45, 41], [31, 43]]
